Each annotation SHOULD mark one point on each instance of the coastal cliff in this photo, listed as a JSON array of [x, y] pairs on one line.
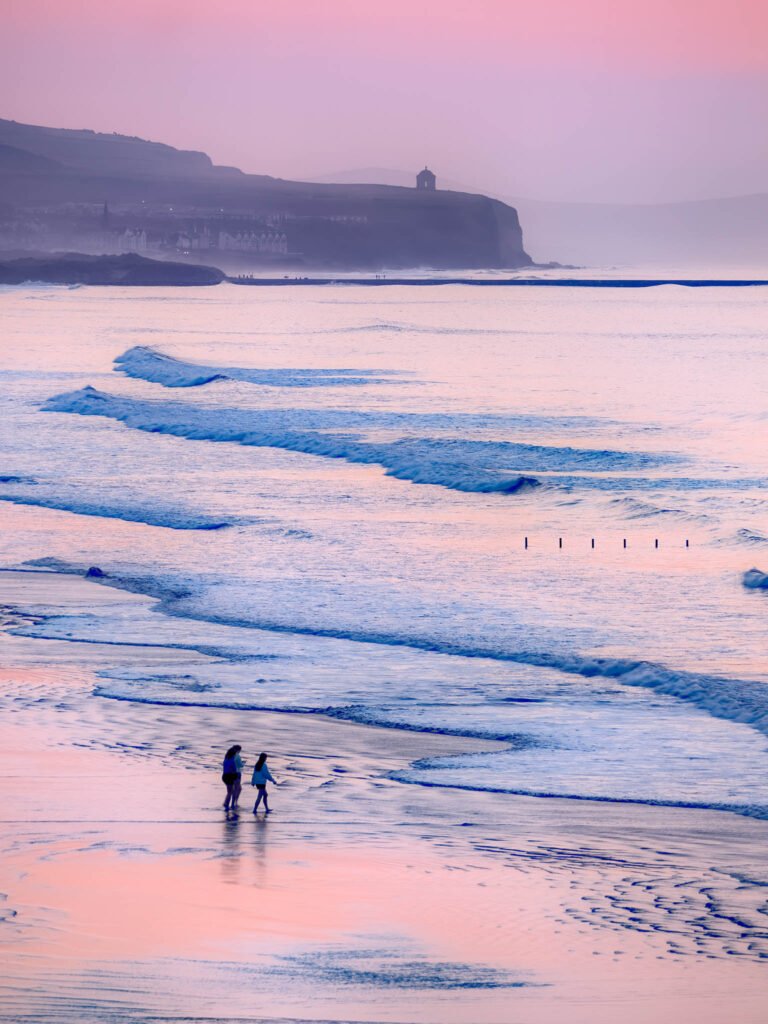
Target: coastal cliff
[[64, 189]]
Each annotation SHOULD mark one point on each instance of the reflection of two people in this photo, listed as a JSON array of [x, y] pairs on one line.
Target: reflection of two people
[[255, 840], [230, 848]]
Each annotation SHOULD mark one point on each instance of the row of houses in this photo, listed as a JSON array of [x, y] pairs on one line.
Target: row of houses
[[253, 241], [136, 240]]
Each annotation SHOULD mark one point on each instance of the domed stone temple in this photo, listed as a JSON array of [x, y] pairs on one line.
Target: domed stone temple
[[426, 181]]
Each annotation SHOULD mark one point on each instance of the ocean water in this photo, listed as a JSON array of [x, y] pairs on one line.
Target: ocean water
[[530, 515]]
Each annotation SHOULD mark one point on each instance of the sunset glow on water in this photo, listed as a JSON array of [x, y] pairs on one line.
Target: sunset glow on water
[[443, 553], [350, 525]]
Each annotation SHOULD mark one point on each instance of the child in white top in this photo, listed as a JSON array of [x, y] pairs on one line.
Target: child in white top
[[261, 776]]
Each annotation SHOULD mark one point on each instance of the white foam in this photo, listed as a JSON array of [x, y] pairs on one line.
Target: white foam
[[149, 364], [461, 464]]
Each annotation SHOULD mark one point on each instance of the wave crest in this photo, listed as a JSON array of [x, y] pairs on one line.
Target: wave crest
[[485, 467], [148, 364], [154, 514]]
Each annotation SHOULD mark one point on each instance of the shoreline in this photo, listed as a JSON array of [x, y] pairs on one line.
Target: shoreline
[[511, 282], [131, 270], [161, 601], [360, 898]]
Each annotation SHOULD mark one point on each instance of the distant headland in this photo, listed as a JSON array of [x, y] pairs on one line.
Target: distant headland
[[63, 189], [133, 270]]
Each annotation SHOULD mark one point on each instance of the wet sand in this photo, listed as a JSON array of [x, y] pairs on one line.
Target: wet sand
[[129, 895]]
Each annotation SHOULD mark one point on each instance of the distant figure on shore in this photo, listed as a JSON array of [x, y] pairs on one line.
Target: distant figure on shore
[[261, 776], [232, 772]]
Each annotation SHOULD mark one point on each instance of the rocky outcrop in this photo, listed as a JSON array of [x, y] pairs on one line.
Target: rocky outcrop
[[76, 268], [755, 579]]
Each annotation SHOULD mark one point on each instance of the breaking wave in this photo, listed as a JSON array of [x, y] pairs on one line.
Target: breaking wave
[[150, 515], [393, 327], [148, 364], [426, 773], [751, 537], [476, 466], [736, 700], [634, 508]]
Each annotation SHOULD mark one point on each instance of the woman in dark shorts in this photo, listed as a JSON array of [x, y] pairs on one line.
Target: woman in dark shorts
[[232, 771]]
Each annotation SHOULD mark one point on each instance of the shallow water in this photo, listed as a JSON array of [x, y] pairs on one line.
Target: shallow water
[[332, 488]]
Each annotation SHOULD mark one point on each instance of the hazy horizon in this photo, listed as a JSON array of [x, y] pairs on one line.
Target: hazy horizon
[[400, 177], [587, 103]]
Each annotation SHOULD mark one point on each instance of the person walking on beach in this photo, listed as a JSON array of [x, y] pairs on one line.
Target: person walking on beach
[[261, 776], [232, 773]]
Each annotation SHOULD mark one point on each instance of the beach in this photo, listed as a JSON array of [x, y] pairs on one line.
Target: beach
[[129, 894], [473, 566]]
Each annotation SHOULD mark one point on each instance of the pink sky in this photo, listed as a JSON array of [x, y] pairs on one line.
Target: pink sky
[[569, 99]]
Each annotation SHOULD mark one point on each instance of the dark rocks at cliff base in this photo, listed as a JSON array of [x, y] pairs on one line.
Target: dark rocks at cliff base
[[130, 269]]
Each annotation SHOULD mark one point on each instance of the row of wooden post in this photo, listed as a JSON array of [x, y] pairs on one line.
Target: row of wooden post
[[560, 543]]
